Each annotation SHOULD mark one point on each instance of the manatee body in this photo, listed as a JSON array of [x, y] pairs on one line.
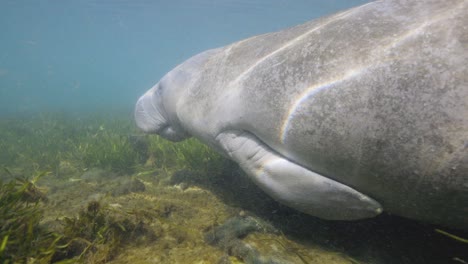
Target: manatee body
[[341, 117]]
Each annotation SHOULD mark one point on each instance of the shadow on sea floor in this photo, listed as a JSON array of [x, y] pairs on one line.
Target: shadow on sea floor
[[383, 239]]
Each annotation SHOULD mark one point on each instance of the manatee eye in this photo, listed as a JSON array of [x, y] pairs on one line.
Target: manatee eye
[[159, 89], [162, 85]]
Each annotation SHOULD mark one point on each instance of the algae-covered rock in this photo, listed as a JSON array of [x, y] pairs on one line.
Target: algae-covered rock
[[95, 174], [129, 186], [236, 227], [185, 177], [228, 238], [104, 230], [67, 168]]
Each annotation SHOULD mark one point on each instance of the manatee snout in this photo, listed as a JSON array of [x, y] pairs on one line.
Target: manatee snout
[[151, 117], [147, 117]]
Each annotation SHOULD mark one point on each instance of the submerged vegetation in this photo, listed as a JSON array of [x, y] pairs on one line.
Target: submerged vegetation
[[93, 189], [93, 235], [21, 236], [74, 148], [44, 141], [98, 232]]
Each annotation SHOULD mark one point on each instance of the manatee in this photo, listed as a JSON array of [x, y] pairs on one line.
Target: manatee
[[342, 117]]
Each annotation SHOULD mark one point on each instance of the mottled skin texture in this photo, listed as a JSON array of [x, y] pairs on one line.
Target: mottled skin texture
[[375, 97]]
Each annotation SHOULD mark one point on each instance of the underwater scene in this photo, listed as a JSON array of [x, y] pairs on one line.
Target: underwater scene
[[221, 161]]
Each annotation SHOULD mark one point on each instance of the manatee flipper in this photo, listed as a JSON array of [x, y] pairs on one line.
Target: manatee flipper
[[294, 185]]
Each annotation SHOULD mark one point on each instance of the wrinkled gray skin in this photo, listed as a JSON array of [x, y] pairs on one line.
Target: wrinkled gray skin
[[341, 117]]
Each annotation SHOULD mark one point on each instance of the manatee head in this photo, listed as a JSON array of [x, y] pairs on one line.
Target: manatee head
[[151, 114], [156, 110]]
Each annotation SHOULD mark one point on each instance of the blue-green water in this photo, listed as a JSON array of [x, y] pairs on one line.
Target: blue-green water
[[82, 55]]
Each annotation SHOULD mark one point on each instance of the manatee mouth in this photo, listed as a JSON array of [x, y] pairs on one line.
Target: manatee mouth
[[169, 133], [149, 116], [146, 120]]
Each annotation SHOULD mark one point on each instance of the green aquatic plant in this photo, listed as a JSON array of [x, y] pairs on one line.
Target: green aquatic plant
[[22, 238], [104, 142], [109, 141], [109, 151], [199, 157], [94, 235], [98, 231], [190, 154], [455, 237], [36, 142], [43, 141]]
